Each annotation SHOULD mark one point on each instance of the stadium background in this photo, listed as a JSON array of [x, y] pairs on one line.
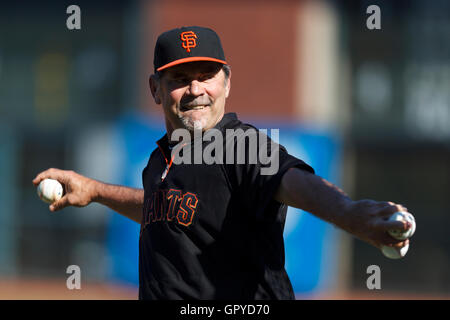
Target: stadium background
[[369, 109]]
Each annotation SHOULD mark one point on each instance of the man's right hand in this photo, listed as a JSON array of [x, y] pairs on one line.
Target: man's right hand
[[79, 191]]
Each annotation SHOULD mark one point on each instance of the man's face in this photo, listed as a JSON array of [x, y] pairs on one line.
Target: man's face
[[192, 95]]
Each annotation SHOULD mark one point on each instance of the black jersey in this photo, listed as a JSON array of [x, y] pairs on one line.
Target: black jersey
[[213, 231]]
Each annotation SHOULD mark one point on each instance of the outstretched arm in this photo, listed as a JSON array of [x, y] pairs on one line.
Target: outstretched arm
[[81, 191], [365, 219]]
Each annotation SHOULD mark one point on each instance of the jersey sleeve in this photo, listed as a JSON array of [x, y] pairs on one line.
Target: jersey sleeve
[[258, 178]]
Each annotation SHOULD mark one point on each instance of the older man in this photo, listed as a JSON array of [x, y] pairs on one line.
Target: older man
[[215, 231]]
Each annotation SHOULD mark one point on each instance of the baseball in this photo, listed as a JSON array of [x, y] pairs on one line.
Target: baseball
[[394, 253], [397, 253], [50, 190], [403, 216]]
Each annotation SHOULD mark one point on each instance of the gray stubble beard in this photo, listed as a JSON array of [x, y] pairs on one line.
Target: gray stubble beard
[[191, 125]]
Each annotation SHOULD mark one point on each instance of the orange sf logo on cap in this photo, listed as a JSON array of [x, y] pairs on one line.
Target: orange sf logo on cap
[[188, 38]]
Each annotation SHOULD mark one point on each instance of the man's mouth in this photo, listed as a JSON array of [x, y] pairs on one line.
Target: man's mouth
[[197, 107]]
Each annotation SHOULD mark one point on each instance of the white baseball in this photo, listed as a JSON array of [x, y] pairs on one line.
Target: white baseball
[[400, 234], [50, 190], [395, 253]]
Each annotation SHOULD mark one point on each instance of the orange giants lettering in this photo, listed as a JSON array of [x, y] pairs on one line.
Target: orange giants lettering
[[170, 205], [187, 209]]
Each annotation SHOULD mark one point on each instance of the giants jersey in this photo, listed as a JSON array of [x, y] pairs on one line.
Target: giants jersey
[[213, 231]]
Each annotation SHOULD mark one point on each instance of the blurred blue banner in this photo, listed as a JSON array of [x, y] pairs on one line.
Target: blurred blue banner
[[312, 245], [139, 137]]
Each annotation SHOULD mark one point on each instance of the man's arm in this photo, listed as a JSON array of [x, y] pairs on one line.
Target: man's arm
[[81, 191], [365, 219]]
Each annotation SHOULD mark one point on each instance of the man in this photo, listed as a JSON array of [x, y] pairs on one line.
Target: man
[[215, 231]]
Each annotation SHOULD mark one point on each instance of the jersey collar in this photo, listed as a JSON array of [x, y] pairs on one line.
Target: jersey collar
[[227, 119]]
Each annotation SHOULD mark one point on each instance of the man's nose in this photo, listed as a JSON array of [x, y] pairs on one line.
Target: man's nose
[[195, 88]]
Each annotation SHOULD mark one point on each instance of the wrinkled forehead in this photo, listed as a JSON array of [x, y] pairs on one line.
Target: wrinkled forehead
[[193, 68]]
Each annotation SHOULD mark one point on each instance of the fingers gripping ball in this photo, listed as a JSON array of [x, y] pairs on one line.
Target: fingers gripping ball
[[397, 253], [400, 234], [50, 190]]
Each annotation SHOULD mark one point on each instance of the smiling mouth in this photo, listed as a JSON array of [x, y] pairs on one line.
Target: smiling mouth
[[188, 108]]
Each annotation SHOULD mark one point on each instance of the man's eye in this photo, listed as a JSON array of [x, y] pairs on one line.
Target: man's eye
[[181, 80], [205, 77]]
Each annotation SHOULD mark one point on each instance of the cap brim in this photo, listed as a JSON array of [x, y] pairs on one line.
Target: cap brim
[[191, 59]]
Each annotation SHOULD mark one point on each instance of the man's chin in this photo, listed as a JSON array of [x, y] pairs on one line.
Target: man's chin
[[192, 124]]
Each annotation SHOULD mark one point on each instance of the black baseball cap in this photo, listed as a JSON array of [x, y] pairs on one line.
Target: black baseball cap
[[187, 44]]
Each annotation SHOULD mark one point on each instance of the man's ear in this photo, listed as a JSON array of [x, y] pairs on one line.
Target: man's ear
[[155, 88], [228, 86]]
